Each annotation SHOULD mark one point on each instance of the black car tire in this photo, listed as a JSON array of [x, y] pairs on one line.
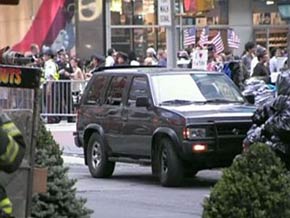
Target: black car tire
[[97, 158], [171, 171]]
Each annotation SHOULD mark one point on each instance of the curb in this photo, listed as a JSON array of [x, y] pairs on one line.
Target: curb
[[73, 160]]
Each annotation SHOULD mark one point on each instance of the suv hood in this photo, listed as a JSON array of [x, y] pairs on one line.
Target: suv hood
[[210, 112]]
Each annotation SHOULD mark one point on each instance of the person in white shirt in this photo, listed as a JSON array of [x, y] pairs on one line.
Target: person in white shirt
[[273, 63], [50, 67], [133, 59], [110, 59]]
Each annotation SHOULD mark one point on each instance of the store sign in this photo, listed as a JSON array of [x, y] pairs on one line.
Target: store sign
[[199, 59], [19, 77], [164, 12]]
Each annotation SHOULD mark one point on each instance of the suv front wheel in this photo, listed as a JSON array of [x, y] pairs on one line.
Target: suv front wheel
[[171, 168], [97, 158]]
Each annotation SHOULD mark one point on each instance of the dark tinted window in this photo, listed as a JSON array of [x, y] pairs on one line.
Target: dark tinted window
[[95, 90], [139, 88], [115, 90]]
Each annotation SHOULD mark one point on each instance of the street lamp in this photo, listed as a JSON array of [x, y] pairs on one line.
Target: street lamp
[[284, 10]]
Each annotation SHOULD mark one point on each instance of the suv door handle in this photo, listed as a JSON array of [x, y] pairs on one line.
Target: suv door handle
[[113, 112]]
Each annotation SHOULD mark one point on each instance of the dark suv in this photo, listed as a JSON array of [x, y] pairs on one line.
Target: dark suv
[[176, 120]]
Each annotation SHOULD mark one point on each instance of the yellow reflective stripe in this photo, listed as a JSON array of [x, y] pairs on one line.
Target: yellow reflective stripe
[[11, 129], [11, 152], [6, 206]]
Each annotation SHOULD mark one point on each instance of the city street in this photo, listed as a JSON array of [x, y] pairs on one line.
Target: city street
[[132, 192]]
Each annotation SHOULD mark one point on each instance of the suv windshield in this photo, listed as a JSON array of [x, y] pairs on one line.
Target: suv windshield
[[195, 88]]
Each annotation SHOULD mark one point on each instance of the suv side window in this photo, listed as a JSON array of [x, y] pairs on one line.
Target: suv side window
[[95, 90], [139, 88], [115, 90]]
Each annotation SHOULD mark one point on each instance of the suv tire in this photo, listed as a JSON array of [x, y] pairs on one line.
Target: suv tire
[[97, 158], [171, 168]]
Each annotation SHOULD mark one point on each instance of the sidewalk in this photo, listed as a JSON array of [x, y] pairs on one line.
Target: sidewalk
[[63, 134]]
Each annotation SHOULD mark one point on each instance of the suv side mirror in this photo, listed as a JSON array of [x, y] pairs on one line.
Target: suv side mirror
[[142, 102], [250, 98]]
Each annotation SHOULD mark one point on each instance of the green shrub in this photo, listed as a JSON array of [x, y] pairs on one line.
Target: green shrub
[[60, 200], [257, 185]]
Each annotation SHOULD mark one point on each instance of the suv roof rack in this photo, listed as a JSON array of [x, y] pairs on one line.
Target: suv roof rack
[[126, 67]]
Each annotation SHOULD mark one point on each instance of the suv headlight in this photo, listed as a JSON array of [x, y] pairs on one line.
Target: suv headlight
[[193, 133]]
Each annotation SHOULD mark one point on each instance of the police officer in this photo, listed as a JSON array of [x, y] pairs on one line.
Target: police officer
[[12, 150]]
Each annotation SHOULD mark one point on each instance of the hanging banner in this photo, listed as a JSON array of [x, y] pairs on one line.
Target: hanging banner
[[164, 12], [19, 77], [199, 59]]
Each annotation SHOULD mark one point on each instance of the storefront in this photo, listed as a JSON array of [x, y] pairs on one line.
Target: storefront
[[133, 24], [269, 30]]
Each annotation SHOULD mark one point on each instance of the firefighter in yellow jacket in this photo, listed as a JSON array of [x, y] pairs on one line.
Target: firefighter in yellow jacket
[[12, 150]]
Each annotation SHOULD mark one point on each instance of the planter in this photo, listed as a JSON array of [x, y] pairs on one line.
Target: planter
[[39, 180]]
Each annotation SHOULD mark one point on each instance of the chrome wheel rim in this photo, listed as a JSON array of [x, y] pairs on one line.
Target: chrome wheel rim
[[164, 161], [96, 155]]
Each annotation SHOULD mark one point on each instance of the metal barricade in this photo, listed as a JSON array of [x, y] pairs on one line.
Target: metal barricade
[[59, 98]]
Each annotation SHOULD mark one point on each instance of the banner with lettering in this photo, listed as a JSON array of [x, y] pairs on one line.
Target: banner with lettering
[[19, 77]]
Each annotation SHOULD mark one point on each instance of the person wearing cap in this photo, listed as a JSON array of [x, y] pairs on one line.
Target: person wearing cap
[[151, 56], [122, 59], [261, 70], [97, 61], [50, 88], [183, 59], [50, 67]]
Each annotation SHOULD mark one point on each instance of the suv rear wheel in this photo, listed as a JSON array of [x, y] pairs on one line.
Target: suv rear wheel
[[97, 158], [171, 168]]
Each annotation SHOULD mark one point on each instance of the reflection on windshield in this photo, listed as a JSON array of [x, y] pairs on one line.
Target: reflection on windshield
[[195, 88]]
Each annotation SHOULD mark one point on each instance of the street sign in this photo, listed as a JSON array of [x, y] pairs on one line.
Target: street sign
[[164, 13]]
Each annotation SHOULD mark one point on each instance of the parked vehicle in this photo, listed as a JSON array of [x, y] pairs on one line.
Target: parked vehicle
[[178, 121]]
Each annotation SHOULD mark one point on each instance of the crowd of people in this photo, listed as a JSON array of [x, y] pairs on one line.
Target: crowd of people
[[60, 65]]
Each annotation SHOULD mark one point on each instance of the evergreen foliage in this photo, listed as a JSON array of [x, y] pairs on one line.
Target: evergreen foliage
[[60, 200], [257, 185]]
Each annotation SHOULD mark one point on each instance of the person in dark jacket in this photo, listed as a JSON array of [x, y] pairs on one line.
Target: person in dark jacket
[[261, 70], [12, 150], [271, 122]]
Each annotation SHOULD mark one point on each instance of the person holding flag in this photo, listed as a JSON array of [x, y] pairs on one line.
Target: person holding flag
[[203, 40]]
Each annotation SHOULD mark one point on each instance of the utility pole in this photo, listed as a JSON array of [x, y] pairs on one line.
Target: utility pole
[[166, 18]]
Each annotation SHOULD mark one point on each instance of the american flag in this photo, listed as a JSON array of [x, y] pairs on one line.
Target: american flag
[[204, 36], [189, 36], [218, 43], [233, 39]]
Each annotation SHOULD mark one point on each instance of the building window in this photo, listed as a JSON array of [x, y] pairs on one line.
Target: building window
[[133, 12], [270, 30]]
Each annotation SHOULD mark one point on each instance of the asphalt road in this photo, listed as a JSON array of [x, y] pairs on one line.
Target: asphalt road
[[132, 192]]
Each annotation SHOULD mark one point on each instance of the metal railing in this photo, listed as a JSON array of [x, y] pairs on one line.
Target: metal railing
[[59, 98], [16, 98]]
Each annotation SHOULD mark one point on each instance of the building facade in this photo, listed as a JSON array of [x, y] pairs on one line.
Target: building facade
[[93, 26], [133, 24]]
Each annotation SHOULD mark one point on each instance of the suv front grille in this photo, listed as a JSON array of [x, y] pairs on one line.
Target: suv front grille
[[233, 129]]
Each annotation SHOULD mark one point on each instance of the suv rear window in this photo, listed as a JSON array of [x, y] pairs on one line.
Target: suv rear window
[[96, 90], [115, 91]]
